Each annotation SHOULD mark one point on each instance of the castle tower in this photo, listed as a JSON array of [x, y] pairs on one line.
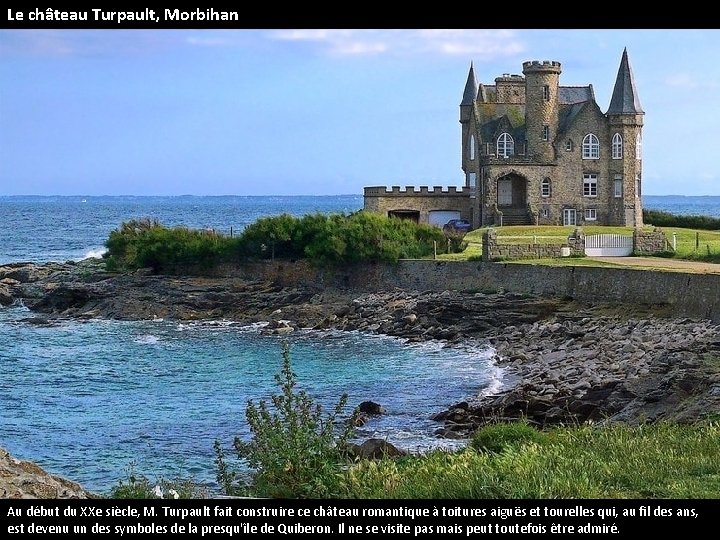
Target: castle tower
[[542, 80], [625, 118]]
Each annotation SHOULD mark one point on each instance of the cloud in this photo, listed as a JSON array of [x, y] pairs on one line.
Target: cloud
[[482, 44], [66, 43]]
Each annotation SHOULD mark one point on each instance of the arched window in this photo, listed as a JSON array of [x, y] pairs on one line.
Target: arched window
[[638, 147], [545, 188], [617, 146], [590, 147], [505, 145], [569, 145], [472, 147]]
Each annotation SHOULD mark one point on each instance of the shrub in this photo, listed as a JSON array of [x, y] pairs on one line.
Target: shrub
[[296, 449], [138, 486], [666, 219]]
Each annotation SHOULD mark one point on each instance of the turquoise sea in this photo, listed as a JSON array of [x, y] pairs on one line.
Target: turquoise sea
[[89, 399]]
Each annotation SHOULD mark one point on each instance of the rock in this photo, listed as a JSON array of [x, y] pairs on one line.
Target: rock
[[6, 298], [25, 480], [371, 408], [376, 449]]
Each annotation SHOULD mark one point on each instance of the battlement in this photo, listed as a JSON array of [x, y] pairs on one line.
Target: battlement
[[546, 66], [508, 78], [416, 191]]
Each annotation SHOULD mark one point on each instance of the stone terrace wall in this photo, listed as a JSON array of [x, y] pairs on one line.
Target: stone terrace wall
[[494, 250], [690, 295], [649, 242]]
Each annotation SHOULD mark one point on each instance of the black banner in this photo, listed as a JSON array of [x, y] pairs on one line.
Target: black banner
[[411, 518]]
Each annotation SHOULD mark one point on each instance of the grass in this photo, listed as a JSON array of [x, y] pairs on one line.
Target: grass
[[616, 461], [709, 242], [708, 249]]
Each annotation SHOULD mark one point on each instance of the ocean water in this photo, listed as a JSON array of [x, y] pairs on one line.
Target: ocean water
[[88, 399]]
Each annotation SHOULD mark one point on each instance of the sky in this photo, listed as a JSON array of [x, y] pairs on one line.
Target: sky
[[316, 111]]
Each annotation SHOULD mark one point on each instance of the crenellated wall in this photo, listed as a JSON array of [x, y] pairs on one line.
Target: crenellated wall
[[421, 200]]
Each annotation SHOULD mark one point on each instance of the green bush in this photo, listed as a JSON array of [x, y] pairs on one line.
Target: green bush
[[496, 438], [147, 244], [296, 449], [666, 219], [324, 239], [138, 486]]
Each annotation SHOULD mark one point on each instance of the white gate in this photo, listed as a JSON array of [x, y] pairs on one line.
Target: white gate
[[608, 245]]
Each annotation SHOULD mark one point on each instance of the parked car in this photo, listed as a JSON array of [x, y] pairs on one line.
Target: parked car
[[457, 226]]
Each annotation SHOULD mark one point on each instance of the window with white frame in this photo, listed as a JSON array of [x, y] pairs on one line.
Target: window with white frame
[[472, 179], [505, 145], [546, 133], [591, 214], [590, 185], [545, 188], [617, 146], [638, 186], [590, 147], [638, 147], [569, 146], [618, 186], [472, 147]]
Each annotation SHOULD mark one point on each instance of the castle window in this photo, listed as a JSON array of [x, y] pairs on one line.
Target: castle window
[[617, 146], [545, 190], [545, 212], [472, 147], [638, 187], [472, 179], [590, 214], [638, 147], [505, 145], [546, 93], [618, 186], [568, 146], [589, 185], [590, 147], [546, 133]]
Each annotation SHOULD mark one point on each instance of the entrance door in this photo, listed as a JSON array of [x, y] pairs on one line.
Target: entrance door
[[505, 192], [569, 216]]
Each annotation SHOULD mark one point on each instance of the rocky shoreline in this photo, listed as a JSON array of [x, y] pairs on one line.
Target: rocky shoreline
[[564, 362]]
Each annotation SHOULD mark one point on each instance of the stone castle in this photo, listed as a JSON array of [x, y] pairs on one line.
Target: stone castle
[[536, 152]]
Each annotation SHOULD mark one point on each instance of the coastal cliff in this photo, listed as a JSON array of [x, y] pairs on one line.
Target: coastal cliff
[[564, 360]]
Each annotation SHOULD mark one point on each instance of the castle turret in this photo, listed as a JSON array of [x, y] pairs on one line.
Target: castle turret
[[542, 81], [469, 142], [469, 94], [625, 118]]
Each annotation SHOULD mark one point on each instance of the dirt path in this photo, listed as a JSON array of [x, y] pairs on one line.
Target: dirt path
[[659, 263]]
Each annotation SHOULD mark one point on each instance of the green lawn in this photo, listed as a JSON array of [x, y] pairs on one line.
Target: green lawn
[[708, 246]]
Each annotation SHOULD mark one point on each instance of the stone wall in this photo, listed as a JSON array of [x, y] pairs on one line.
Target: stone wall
[[494, 250], [689, 295], [421, 200], [649, 242]]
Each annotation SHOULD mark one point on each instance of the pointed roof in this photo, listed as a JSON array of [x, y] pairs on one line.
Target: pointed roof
[[471, 88], [625, 98]]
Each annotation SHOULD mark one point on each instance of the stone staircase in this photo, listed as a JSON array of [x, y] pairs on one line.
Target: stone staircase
[[515, 216]]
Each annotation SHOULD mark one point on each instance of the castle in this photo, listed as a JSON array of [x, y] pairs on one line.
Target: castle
[[536, 152]]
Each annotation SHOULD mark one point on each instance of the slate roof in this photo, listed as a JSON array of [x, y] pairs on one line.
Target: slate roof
[[625, 98], [471, 88]]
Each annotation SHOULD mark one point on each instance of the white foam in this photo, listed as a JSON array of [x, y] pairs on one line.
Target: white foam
[[94, 254], [147, 339]]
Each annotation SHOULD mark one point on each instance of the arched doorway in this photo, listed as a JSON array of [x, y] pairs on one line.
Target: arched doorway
[[512, 191]]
